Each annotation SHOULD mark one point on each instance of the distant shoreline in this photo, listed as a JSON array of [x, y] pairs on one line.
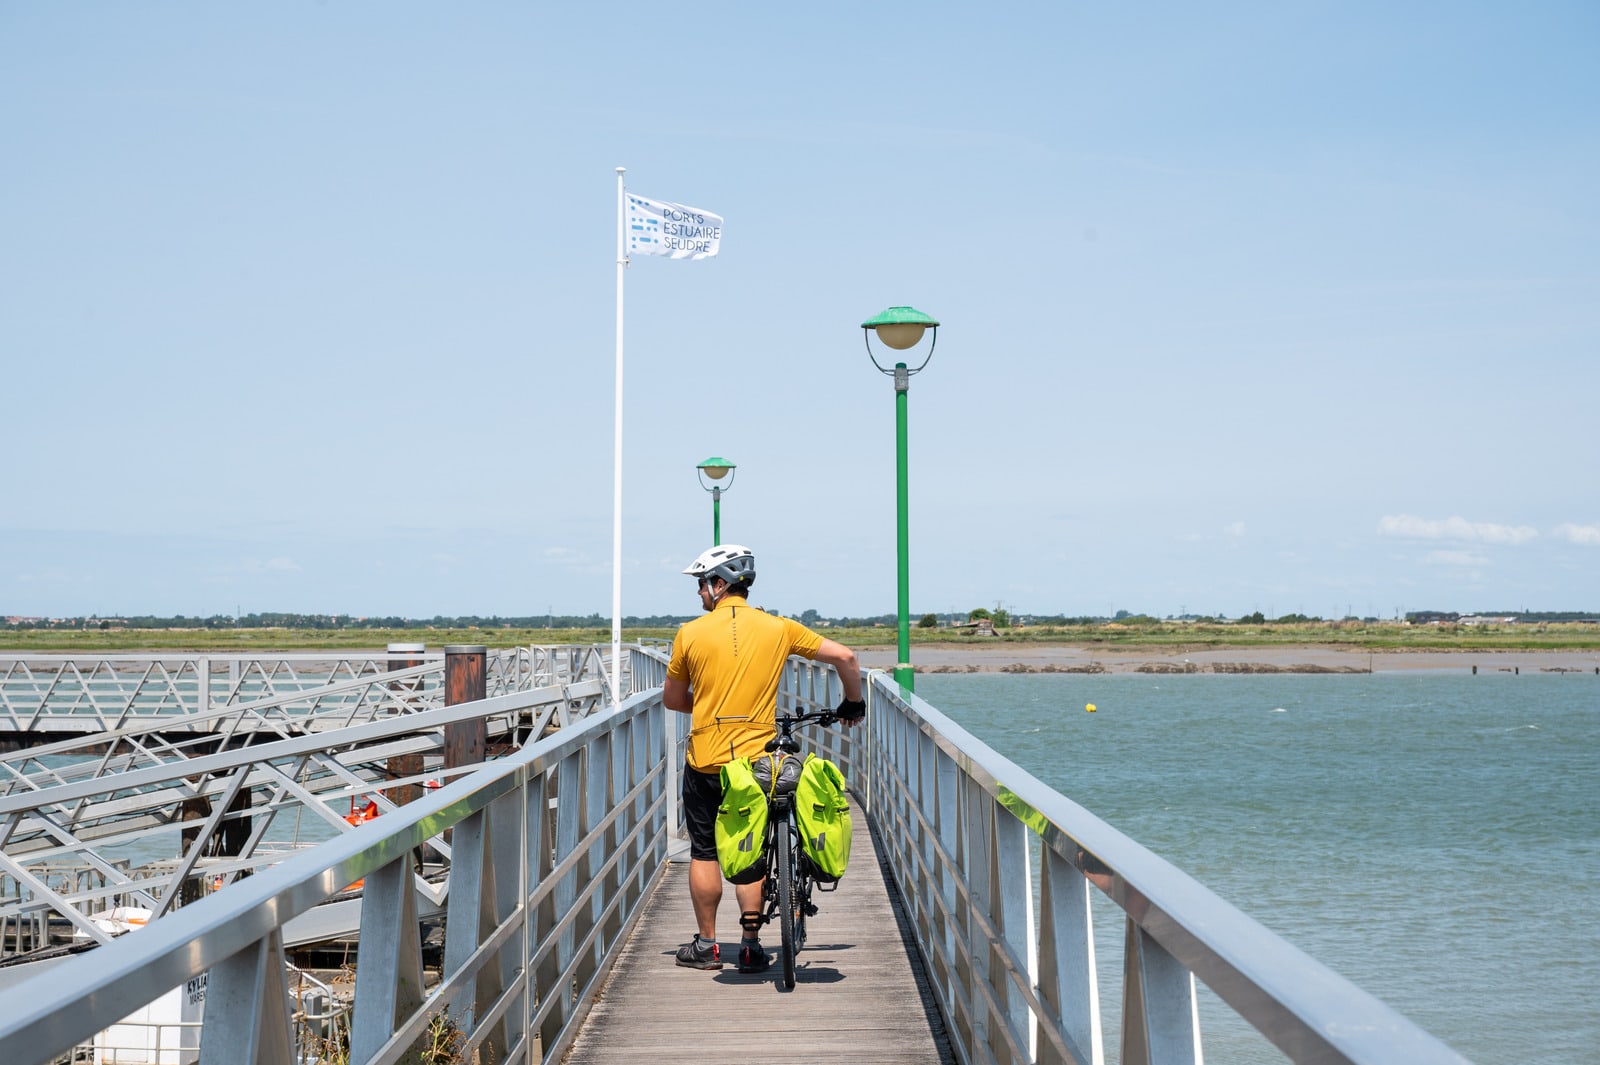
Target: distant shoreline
[[1188, 651], [1046, 658]]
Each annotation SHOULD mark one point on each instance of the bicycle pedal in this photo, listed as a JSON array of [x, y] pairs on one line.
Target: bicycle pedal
[[810, 909]]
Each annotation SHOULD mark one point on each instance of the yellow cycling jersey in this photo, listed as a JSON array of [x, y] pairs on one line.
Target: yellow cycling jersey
[[732, 659]]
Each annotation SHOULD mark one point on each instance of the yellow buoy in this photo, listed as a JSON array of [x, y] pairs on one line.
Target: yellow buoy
[[1089, 707]]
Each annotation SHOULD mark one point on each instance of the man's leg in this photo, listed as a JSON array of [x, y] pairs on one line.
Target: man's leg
[[752, 958], [705, 892], [702, 792], [749, 896]]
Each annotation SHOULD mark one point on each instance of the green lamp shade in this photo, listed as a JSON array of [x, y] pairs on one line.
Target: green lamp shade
[[716, 468], [900, 327]]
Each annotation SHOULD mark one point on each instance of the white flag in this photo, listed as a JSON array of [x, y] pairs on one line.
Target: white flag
[[671, 229]]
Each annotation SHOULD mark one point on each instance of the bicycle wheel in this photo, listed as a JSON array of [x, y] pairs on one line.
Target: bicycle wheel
[[786, 901], [801, 894]]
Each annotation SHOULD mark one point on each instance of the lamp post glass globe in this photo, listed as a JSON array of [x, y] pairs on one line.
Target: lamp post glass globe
[[716, 468], [900, 329], [901, 335]]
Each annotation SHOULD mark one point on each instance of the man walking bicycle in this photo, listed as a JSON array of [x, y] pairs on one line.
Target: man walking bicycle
[[724, 672]]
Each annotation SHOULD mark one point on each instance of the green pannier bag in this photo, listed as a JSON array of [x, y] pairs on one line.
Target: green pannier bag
[[824, 817], [741, 829]]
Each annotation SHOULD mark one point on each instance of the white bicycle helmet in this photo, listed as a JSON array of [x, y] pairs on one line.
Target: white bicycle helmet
[[729, 561]]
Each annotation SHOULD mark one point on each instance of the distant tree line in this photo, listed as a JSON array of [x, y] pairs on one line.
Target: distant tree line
[[344, 621], [999, 618]]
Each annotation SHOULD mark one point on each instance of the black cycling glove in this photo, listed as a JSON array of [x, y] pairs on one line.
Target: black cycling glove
[[850, 710]]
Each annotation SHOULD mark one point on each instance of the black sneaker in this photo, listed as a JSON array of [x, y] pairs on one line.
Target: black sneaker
[[753, 959], [697, 955]]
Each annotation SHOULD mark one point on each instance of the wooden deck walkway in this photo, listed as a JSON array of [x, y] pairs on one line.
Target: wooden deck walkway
[[858, 974]]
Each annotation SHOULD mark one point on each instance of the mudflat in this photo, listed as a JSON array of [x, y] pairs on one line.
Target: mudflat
[[994, 657]]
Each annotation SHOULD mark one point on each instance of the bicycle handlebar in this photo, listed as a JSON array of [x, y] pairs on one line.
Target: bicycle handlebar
[[788, 722]]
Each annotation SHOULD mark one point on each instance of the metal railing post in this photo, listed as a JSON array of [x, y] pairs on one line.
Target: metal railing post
[[247, 1007], [389, 978], [1160, 1023], [1067, 984]]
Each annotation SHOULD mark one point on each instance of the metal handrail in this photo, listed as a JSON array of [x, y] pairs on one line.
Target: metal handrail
[[1011, 960], [576, 819], [300, 775]]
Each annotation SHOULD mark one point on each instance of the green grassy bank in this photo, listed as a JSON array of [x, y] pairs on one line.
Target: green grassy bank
[[1359, 636]]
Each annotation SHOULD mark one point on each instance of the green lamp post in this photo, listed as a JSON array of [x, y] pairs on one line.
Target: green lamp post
[[716, 468], [901, 328]]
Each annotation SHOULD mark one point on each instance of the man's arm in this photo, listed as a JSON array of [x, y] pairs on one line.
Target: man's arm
[[835, 654], [675, 695]]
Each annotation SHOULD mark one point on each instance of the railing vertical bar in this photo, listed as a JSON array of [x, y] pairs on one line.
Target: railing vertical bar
[[947, 803], [465, 919], [975, 861], [389, 978], [1159, 1011], [617, 787], [538, 861], [597, 768], [640, 744], [1068, 985], [557, 997], [506, 863], [247, 1007], [917, 762], [1011, 910]]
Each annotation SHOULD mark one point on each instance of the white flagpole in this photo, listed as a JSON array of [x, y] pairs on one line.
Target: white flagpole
[[616, 473]]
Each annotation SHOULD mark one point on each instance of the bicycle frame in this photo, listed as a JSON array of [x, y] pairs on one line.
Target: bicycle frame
[[787, 897]]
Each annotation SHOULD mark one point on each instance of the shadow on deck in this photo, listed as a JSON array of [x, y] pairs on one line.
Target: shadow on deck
[[860, 991]]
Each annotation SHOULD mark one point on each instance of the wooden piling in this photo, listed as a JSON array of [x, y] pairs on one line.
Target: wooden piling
[[404, 656], [465, 680]]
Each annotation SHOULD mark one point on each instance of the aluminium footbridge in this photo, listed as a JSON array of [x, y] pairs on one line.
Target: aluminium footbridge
[[964, 931]]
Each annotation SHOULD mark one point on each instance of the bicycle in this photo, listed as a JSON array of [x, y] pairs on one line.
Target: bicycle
[[789, 878]]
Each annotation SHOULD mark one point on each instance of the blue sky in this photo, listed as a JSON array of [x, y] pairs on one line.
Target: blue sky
[[1247, 306]]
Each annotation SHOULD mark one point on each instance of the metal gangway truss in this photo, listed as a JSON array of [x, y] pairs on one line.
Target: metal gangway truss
[[556, 847], [223, 788], [46, 694]]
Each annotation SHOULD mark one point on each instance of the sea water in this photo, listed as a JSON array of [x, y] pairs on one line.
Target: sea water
[[1434, 838]]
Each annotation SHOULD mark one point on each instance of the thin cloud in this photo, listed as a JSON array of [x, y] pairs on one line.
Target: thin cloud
[[53, 576], [572, 560], [1411, 527], [270, 565], [1455, 558], [1587, 535]]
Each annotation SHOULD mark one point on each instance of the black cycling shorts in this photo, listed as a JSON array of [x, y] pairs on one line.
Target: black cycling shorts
[[702, 795]]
